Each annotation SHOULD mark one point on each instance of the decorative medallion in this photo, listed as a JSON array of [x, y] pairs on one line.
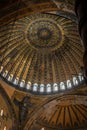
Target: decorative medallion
[[44, 33]]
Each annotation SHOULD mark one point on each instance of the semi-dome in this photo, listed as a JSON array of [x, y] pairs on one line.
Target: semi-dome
[[63, 113]]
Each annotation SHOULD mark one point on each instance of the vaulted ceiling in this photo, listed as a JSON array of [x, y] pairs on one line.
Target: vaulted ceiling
[[63, 113]]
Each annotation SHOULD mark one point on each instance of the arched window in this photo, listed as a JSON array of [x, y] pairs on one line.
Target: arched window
[[35, 87], [1, 69], [69, 85], [10, 77], [75, 81], [5, 73], [81, 77], [62, 86], [55, 87], [22, 83], [16, 81], [41, 87], [28, 86], [1, 112], [48, 88]]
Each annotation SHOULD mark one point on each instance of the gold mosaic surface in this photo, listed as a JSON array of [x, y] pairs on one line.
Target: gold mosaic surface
[[41, 48]]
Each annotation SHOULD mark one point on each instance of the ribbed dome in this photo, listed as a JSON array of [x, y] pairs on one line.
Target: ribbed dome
[[41, 51], [64, 113]]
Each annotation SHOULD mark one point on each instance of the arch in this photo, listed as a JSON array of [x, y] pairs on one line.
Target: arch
[[28, 86], [7, 107], [69, 84], [42, 88], [55, 87], [75, 81], [5, 73], [10, 77], [48, 88], [80, 77], [22, 83], [62, 86], [35, 87], [16, 81]]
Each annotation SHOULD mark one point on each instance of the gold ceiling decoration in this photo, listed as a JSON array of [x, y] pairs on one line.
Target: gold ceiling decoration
[[41, 51], [43, 33], [64, 113]]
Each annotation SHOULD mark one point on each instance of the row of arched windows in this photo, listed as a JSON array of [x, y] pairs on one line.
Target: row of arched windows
[[55, 87], [76, 80]]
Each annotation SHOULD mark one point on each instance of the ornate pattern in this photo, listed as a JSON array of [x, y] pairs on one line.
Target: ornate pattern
[[44, 33], [64, 113], [40, 50]]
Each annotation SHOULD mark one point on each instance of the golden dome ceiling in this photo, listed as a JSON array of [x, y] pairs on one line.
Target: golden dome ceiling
[[42, 52], [43, 33]]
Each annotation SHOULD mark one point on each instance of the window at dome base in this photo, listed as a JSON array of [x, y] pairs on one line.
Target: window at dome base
[[42, 88], [16, 81], [28, 86], [81, 77], [48, 87], [10, 77], [35, 87], [22, 83], [69, 84], [75, 81], [55, 87], [5, 73], [62, 86]]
